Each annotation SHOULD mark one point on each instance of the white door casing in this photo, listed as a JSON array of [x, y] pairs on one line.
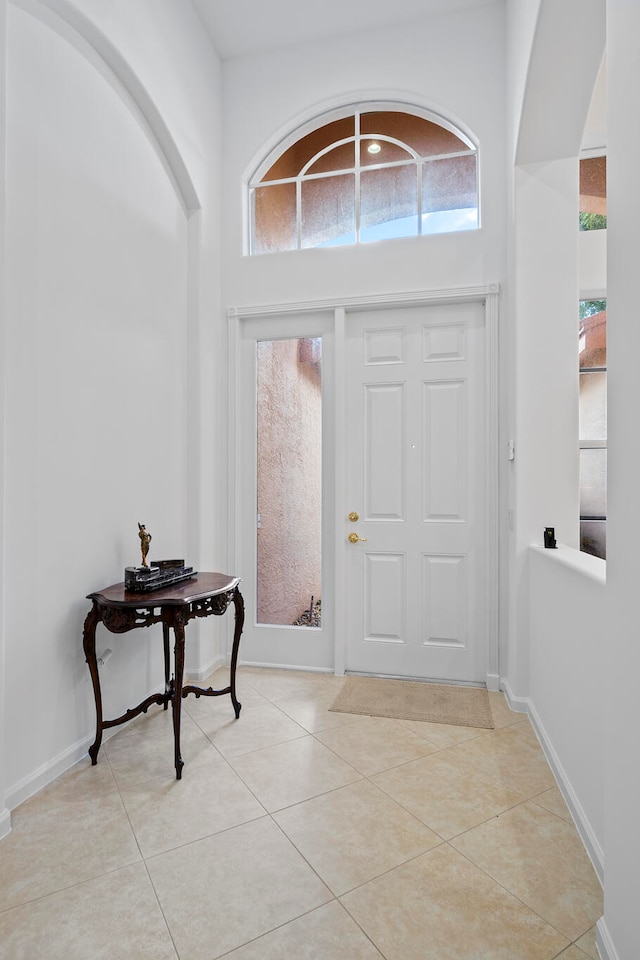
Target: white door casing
[[441, 393]]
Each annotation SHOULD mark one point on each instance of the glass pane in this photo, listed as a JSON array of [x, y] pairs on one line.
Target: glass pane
[[593, 333], [593, 537], [388, 203], [449, 184], [340, 158], [593, 405], [593, 484], [593, 193], [425, 137], [289, 481], [291, 162], [274, 218], [328, 211], [449, 195], [381, 151]]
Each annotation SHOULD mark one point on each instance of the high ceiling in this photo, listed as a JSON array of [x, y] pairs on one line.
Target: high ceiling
[[241, 27]]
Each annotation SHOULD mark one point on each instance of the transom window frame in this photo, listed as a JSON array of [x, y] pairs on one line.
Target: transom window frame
[[255, 181]]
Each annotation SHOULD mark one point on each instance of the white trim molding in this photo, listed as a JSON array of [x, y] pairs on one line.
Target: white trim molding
[[54, 768], [404, 298], [584, 828], [204, 670], [492, 396], [5, 823], [45, 774], [604, 943]]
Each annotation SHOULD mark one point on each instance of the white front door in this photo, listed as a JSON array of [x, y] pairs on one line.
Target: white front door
[[416, 476]]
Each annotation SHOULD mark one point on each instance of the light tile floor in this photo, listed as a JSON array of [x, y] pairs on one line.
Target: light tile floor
[[301, 833]]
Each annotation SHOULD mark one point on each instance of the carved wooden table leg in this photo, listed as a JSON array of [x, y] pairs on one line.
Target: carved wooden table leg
[[238, 604], [89, 644], [178, 632], [167, 663]]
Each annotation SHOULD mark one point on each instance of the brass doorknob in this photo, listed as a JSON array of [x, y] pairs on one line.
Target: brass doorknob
[[354, 517], [354, 538]]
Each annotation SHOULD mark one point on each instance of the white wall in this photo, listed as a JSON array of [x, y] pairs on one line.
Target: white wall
[[163, 51], [621, 929], [454, 65], [108, 333], [544, 399], [568, 631], [5, 818], [588, 647], [544, 278]]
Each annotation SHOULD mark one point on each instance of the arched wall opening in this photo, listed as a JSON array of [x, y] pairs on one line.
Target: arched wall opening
[[102, 240]]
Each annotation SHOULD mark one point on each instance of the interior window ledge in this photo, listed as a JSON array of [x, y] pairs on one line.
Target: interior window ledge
[[582, 563]]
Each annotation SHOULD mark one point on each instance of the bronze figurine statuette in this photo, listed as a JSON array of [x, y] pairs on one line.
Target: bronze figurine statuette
[[145, 540]]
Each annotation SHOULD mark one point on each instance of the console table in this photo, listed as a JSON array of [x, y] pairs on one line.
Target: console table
[[122, 610]]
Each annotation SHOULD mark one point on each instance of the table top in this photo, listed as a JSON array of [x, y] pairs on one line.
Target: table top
[[200, 586]]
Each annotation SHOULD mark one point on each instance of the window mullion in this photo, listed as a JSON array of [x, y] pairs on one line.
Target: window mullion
[[357, 176]]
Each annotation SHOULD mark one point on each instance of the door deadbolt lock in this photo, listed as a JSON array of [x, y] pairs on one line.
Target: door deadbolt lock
[[354, 517], [354, 538]]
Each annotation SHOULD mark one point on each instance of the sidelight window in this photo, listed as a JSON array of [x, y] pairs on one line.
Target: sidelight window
[[593, 426]]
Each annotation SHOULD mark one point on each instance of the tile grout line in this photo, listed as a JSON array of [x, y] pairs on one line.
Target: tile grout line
[[527, 906], [146, 868]]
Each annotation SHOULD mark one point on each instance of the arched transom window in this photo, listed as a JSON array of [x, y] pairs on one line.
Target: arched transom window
[[373, 174]]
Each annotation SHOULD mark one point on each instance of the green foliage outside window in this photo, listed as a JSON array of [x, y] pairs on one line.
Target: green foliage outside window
[[588, 308], [593, 221]]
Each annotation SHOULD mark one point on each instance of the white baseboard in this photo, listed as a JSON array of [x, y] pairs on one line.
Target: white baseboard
[[587, 835], [518, 704], [40, 778], [52, 769], [493, 682], [197, 676], [5, 823], [48, 772], [604, 943]]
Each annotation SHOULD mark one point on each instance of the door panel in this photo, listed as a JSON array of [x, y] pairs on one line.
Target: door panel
[[383, 431], [444, 486], [385, 597], [416, 474], [444, 591]]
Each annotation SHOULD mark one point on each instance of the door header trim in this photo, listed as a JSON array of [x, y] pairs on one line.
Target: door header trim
[[405, 298]]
